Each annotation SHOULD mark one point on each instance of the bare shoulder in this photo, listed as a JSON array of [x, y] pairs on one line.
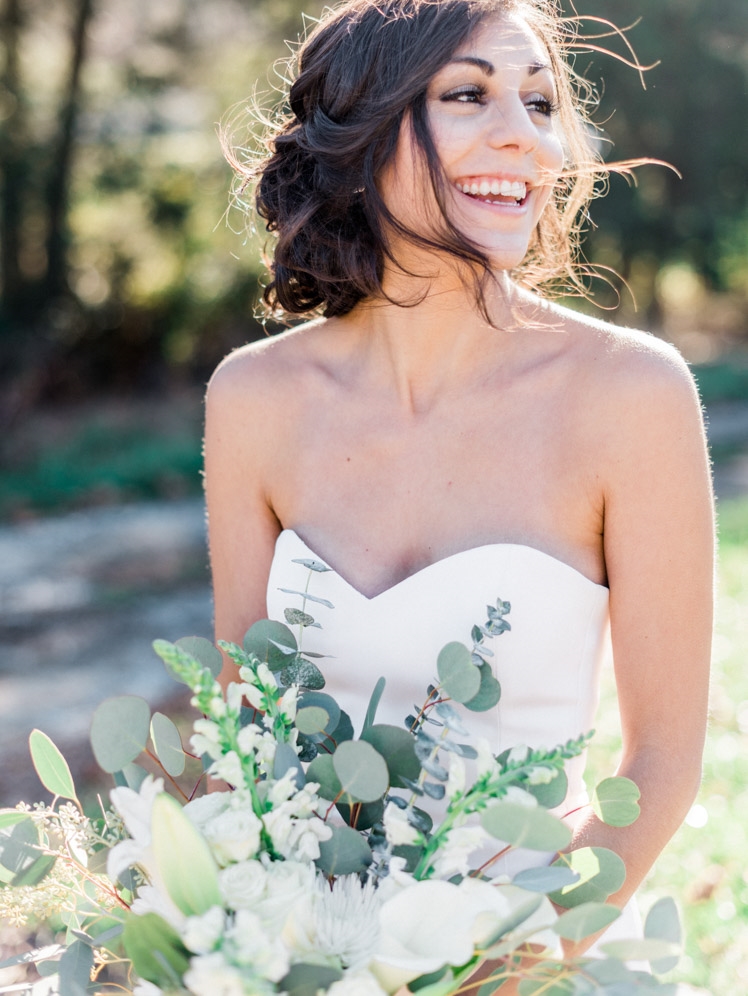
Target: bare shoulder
[[627, 373]]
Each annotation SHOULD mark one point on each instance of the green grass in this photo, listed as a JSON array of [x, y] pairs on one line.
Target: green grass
[[705, 866]]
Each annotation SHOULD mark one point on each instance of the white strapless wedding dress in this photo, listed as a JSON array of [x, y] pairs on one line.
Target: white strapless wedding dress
[[548, 664]]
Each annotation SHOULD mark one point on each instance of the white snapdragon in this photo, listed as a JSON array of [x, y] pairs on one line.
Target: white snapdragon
[[206, 738], [541, 775], [201, 934], [250, 944], [518, 754], [253, 740], [453, 857], [457, 776], [229, 768], [255, 696], [234, 695], [242, 884], [396, 827], [486, 762], [519, 797], [289, 702]]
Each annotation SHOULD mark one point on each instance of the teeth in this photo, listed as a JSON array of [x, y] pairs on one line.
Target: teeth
[[504, 188]]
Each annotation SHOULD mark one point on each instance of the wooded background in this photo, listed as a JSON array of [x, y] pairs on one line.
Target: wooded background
[[121, 270]]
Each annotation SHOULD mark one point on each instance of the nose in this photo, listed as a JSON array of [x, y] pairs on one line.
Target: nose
[[511, 126]]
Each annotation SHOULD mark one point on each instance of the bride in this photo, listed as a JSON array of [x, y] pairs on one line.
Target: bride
[[444, 434]]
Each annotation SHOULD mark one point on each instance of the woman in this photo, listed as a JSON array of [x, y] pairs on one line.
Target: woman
[[445, 435]]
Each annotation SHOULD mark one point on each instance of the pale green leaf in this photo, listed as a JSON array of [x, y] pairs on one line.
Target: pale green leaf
[[642, 949], [309, 598], [563, 986], [663, 923], [119, 731], [585, 920], [601, 873], [183, 859], [312, 719], [144, 937], [75, 970], [51, 766], [616, 801], [203, 651], [307, 980], [544, 879], [458, 676], [167, 744], [489, 691], [362, 770], [323, 701], [322, 771], [9, 817], [271, 642], [345, 853], [371, 709], [397, 747], [525, 826]]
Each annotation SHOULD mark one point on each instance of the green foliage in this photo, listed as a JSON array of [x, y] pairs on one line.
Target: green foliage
[[183, 858], [600, 873], [155, 949], [616, 801], [119, 731], [51, 766], [525, 826]]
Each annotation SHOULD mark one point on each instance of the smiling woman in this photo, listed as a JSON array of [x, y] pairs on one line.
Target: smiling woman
[[442, 434]]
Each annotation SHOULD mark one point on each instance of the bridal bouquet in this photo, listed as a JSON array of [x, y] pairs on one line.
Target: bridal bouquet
[[320, 868]]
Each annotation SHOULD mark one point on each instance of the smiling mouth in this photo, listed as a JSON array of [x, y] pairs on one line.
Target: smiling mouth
[[496, 191]]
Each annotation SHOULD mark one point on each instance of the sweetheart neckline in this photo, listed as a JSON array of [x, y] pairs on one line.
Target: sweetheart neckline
[[437, 564]]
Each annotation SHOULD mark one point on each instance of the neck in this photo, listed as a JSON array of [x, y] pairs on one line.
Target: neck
[[437, 345]]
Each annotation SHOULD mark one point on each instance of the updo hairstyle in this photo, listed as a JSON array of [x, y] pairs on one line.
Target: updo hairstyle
[[365, 65]]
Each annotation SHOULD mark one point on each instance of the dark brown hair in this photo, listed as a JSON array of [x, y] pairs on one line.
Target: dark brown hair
[[365, 66]]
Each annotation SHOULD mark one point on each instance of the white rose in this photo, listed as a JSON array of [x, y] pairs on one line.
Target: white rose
[[356, 984], [288, 883], [206, 807], [242, 884], [210, 975], [234, 835], [201, 933], [396, 827]]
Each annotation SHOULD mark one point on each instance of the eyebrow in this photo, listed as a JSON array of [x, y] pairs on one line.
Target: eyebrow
[[489, 69]]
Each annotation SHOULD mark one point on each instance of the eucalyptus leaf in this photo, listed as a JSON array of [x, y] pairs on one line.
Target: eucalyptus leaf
[[183, 858], [271, 642], [312, 565], [663, 923], [119, 731], [427, 980], [203, 651], [322, 701], [344, 729], [286, 760], [585, 920], [33, 957], [302, 672], [365, 814], [601, 873], [433, 768], [307, 980], [309, 598], [295, 617], [167, 744], [550, 794], [458, 676], [642, 949], [371, 709], [434, 790], [75, 969], [563, 986], [322, 771], [131, 776], [146, 936], [420, 819], [51, 766], [524, 826], [545, 878], [397, 747], [312, 719], [511, 921], [19, 846], [362, 770], [35, 872], [345, 853], [9, 818], [489, 691], [616, 801], [451, 718]]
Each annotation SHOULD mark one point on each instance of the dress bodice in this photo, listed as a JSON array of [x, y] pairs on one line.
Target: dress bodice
[[548, 664]]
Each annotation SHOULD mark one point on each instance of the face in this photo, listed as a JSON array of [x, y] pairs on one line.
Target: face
[[492, 115]]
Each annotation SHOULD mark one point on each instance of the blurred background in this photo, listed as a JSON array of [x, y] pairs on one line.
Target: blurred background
[[125, 277]]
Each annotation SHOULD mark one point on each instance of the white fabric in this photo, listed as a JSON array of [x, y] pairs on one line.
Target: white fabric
[[548, 664]]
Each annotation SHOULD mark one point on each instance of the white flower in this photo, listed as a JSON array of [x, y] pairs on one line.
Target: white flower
[[356, 984], [292, 823], [453, 857], [518, 754], [255, 696], [250, 945], [456, 779], [540, 775], [233, 835], [242, 884], [206, 807], [202, 933], [229, 768], [135, 808], [519, 797], [234, 694], [145, 988], [501, 901], [151, 899], [217, 707], [485, 762], [288, 882], [211, 975], [396, 827], [253, 740], [206, 738], [265, 676], [346, 919], [423, 928], [288, 703]]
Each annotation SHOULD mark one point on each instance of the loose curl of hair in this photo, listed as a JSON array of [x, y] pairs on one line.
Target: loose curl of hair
[[364, 67]]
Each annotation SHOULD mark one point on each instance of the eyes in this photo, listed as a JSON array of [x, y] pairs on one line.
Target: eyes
[[473, 93]]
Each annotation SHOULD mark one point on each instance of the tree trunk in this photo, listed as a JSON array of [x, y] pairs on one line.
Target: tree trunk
[[12, 171]]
